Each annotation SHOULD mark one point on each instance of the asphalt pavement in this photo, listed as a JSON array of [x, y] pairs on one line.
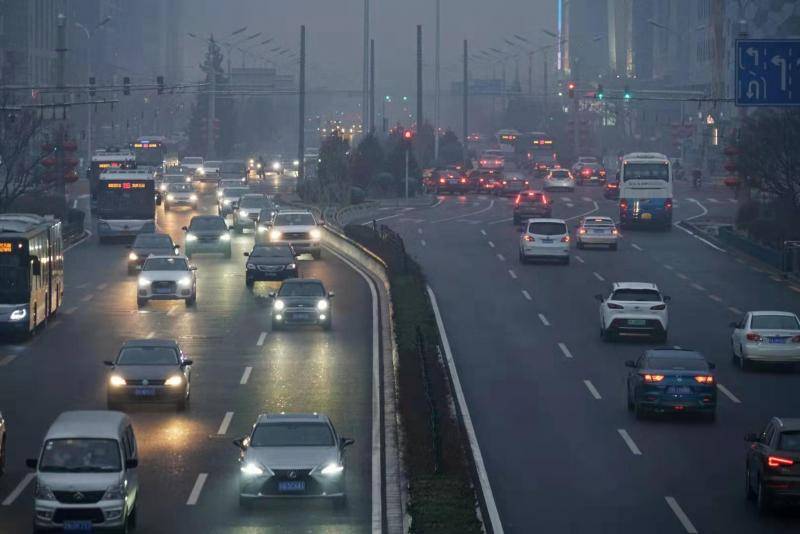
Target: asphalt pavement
[[188, 466], [547, 396]]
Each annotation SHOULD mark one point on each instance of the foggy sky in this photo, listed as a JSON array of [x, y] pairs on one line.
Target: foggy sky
[[335, 26]]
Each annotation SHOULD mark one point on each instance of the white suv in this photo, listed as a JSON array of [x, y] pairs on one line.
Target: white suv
[[634, 309], [299, 229], [167, 278], [544, 238]]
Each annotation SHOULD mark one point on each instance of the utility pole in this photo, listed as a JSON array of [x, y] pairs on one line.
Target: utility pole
[[365, 81], [437, 67], [61, 51], [372, 86], [419, 77], [465, 110], [530, 73], [212, 111], [301, 141]]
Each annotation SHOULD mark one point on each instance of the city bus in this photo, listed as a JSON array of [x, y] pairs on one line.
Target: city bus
[[31, 271], [536, 151], [645, 190], [107, 159], [126, 204], [507, 140], [150, 151]]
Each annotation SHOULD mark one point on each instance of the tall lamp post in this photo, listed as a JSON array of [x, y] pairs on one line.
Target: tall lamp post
[[89, 121]]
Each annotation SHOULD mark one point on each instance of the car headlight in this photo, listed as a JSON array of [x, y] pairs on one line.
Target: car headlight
[[279, 305], [44, 493], [163, 187], [144, 282], [174, 381], [332, 469], [188, 179], [251, 161], [191, 237], [276, 165], [201, 171], [225, 237], [291, 266], [193, 197], [258, 166], [296, 163], [227, 202], [185, 282], [275, 235], [116, 381], [315, 234], [133, 256], [250, 267], [170, 197], [322, 305], [251, 469], [114, 493], [18, 314], [219, 194]]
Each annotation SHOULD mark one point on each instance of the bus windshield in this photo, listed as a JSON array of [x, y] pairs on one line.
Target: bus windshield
[[645, 171], [151, 155], [13, 277]]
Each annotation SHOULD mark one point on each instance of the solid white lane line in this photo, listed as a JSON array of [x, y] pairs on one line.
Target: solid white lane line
[[682, 276], [578, 216], [246, 375], [735, 310], [501, 257], [725, 391], [7, 359], [592, 389], [102, 286], [544, 320], [83, 286], [422, 241], [580, 260], [490, 206], [491, 244], [680, 514], [19, 489], [565, 350], [698, 287], [629, 441], [526, 295], [599, 277], [261, 339], [512, 274], [732, 200], [88, 297], [483, 232], [669, 267], [226, 422], [706, 241], [637, 247], [715, 298], [483, 477], [713, 200], [151, 334], [70, 311], [194, 496]]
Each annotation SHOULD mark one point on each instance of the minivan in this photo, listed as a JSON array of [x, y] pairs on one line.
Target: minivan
[[86, 473]]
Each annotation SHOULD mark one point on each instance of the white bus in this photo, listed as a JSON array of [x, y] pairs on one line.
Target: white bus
[[645, 190], [126, 204]]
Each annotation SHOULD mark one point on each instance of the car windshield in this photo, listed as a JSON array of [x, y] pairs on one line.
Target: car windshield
[[174, 178], [774, 322], [204, 224], [236, 192], [294, 219], [180, 188], [292, 435], [212, 164], [598, 222], [547, 228], [636, 295], [271, 252], [790, 441], [152, 241], [559, 174], [302, 289], [250, 201], [80, 455], [165, 264], [148, 356], [645, 171], [677, 363]]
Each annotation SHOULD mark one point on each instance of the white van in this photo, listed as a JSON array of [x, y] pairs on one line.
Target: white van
[[86, 473]]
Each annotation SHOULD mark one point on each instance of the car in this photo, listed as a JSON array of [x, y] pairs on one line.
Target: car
[[270, 262], [228, 201], [766, 337], [180, 195], [451, 181], [247, 211], [299, 229], [492, 159], [611, 190], [264, 223], [211, 168], [511, 184], [484, 180], [207, 233], [86, 474], [772, 464], [302, 301], [544, 239], [584, 160], [671, 381], [192, 164], [147, 244], [233, 169], [634, 309], [168, 179], [531, 205], [167, 278], [151, 371], [292, 455], [591, 173], [560, 179], [3, 445], [597, 230]]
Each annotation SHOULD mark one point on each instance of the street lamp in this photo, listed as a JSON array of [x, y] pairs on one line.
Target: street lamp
[[89, 120]]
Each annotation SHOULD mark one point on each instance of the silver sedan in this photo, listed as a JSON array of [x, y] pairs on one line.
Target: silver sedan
[[766, 336]]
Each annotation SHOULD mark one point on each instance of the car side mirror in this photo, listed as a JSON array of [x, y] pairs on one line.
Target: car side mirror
[[630, 363], [599, 298], [331, 294], [131, 463], [36, 266], [733, 324], [346, 442], [751, 437], [108, 363], [184, 228], [272, 295], [187, 361], [246, 254], [193, 267], [712, 365], [240, 443], [667, 298], [31, 463]]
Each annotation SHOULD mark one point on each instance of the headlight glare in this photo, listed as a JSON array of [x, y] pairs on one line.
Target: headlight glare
[[227, 202], [174, 381], [279, 305], [191, 237], [275, 235], [144, 282], [193, 197], [116, 380], [225, 237], [322, 305], [251, 469], [133, 256], [315, 234], [170, 197], [262, 229], [332, 469], [185, 282]]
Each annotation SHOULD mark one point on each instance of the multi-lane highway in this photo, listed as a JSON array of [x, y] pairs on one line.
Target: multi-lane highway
[[547, 396], [188, 466]]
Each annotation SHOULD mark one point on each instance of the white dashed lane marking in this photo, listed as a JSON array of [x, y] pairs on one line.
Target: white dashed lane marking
[[681, 515], [70, 311], [599, 277], [629, 441], [501, 257], [491, 244], [194, 496], [226, 422], [682, 276], [246, 375], [668, 267], [580, 260], [88, 297], [423, 243], [261, 339], [592, 389], [565, 350], [637, 247], [526, 295], [544, 320], [8, 501], [725, 391], [698, 287], [483, 232], [7, 359], [512, 274]]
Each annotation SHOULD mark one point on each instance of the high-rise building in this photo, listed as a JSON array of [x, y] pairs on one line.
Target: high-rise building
[[28, 42]]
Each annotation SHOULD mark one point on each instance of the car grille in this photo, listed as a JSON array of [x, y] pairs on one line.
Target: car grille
[[140, 382], [78, 497], [270, 268], [166, 287], [253, 216], [95, 515], [208, 239], [270, 487], [296, 235]]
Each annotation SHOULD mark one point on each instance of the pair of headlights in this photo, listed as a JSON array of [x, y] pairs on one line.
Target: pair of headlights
[[223, 237], [280, 305], [276, 235], [186, 281], [173, 381], [253, 469]]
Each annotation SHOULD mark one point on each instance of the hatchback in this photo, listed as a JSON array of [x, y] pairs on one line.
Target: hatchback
[[544, 239]]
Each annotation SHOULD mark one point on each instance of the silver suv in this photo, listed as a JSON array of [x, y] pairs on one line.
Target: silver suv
[[299, 229]]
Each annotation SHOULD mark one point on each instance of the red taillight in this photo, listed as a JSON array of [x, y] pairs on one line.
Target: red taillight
[[653, 378], [544, 200], [581, 231], [752, 336], [613, 306], [668, 204], [659, 307], [484, 162], [623, 205], [704, 379], [602, 173], [441, 180], [565, 239], [612, 185], [586, 172], [518, 200], [526, 183], [463, 180], [777, 461], [528, 238]]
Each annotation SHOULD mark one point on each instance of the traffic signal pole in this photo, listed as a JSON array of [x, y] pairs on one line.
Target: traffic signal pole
[[301, 138]]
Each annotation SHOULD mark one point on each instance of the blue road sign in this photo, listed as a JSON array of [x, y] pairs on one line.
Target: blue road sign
[[768, 72]]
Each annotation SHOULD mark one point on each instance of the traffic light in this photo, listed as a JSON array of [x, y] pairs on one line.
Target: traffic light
[[408, 135], [627, 94], [126, 86], [571, 89], [92, 82], [599, 94], [160, 82]]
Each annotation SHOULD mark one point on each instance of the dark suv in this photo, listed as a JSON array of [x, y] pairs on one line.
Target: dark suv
[[772, 468], [531, 204]]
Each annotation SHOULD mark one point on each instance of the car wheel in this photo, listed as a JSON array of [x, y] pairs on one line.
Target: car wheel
[[191, 301], [249, 282], [132, 516], [140, 302], [749, 494], [763, 502]]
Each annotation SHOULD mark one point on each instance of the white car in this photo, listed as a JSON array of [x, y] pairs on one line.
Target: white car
[[192, 164], [299, 229], [766, 336], [544, 239], [635, 309], [179, 194], [597, 230], [559, 179], [167, 278]]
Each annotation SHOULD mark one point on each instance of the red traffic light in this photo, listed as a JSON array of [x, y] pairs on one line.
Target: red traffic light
[[571, 86], [408, 135]]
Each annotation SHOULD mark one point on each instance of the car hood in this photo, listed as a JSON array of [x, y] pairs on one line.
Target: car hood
[[79, 481], [292, 457], [167, 276], [151, 372], [303, 302], [208, 233], [271, 260], [180, 193], [143, 252]]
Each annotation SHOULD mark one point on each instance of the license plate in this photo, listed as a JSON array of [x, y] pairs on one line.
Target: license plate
[[78, 526], [162, 290], [777, 340], [636, 322], [301, 316], [144, 392], [647, 216], [547, 240], [598, 231], [679, 390], [292, 485]]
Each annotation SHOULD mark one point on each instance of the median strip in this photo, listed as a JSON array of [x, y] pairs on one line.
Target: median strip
[[681, 515], [629, 441]]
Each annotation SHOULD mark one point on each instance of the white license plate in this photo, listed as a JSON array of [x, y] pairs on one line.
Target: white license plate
[[636, 322]]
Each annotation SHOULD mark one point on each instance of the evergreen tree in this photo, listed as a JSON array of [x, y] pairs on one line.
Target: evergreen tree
[[224, 112]]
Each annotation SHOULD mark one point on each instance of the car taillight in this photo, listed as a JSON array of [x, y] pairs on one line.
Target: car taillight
[[659, 307], [612, 185], [565, 239], [602, 173], [581, 231], [777, 461], [484, 162], [653, 378], [585, 172], [463, 180], [544, 200], [704, 379], [613, 306], [528, 238], [796, 339], [752, 336], [441, 180], [623, 205], [668, 204], [614, 231], [526, 183], [505, 182]]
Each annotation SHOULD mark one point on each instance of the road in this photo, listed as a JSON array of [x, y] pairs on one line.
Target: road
[[188, 465], [547, 396]]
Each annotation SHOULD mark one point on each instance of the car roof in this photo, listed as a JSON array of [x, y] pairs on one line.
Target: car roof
[[150, 342], [102, 424], [783, 313], [294, 212], [598, 219], [787, 423], [266, 418], [634, 285], [167, 256], [674, 353], [544, 220]]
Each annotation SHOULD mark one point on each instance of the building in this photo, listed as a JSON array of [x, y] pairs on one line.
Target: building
[[28, 42]]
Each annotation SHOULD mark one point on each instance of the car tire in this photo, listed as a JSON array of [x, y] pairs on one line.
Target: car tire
[[191, 301], [132, 516], [763, 502], [749, 494], [140, 302], [630, 403]]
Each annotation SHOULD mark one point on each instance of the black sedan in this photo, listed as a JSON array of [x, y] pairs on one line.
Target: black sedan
[[270, 262], [772, 468], [146, 244], [149, 370], [301, 302], [672, 381]]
